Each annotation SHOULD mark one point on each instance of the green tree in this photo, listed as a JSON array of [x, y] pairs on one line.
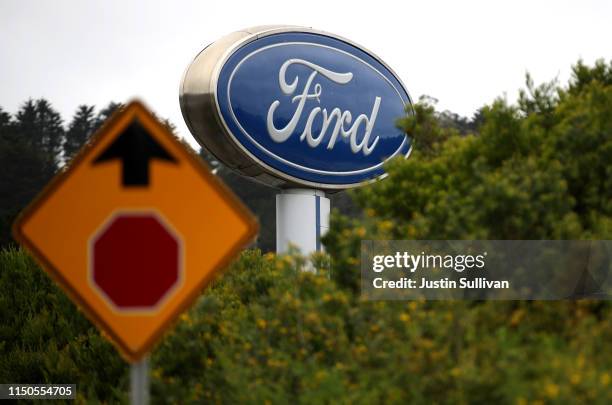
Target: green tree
[[583, 75], [79, 130], [29, 155], [537, 170], [258, 197], [40, 126], [32, 146], [5, 121], [105, 113]]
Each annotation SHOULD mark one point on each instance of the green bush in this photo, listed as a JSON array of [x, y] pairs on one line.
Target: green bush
[[44, 339], [269, 332]]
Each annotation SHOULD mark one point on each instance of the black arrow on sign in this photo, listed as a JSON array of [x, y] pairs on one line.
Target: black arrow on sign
[[135, 147]]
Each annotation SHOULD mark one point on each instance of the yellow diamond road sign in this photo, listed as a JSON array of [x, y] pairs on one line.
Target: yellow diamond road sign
[[134, 228]]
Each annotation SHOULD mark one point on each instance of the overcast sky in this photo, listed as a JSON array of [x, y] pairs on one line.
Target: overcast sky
[[464, 53]]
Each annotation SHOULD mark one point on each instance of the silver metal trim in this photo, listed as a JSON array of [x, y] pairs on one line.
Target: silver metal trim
[[198, 102]]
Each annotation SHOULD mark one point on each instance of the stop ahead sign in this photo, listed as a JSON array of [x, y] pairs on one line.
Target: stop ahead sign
[[135, 260], [134, 228]]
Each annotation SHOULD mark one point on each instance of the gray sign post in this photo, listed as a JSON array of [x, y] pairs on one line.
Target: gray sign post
[[139, 382]]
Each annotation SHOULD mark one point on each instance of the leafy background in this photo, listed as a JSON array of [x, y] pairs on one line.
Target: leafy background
[[268, 332]]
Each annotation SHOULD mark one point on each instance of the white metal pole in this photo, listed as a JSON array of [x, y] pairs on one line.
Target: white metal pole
[[302, 217], [139, 382]]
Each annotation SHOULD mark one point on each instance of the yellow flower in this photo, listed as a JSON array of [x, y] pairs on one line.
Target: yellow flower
[[580, 361], [156, 372], [312, 317], [516, 317], [411, 231], [385, 225], [360, 231], [404, 317], [361, 349], [604, 379], [521, 401], [575, 379], [186, 318], [551, 390], [261, 323], [427, 343]]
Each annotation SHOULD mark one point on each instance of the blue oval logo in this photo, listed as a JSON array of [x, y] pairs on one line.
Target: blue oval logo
[[313, 108]]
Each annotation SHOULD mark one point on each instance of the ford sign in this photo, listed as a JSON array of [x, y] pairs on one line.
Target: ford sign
[[296, 107]]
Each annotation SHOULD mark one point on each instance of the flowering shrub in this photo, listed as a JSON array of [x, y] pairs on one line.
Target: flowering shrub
[[269, 332]]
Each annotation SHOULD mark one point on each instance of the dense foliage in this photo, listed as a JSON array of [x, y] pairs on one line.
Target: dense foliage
[[537, 170], [269, 332]]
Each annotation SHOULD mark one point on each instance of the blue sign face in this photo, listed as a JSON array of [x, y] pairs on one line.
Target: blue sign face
[[313, 108]]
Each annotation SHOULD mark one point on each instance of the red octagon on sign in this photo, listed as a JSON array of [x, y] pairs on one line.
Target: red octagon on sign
[[135, 260]]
